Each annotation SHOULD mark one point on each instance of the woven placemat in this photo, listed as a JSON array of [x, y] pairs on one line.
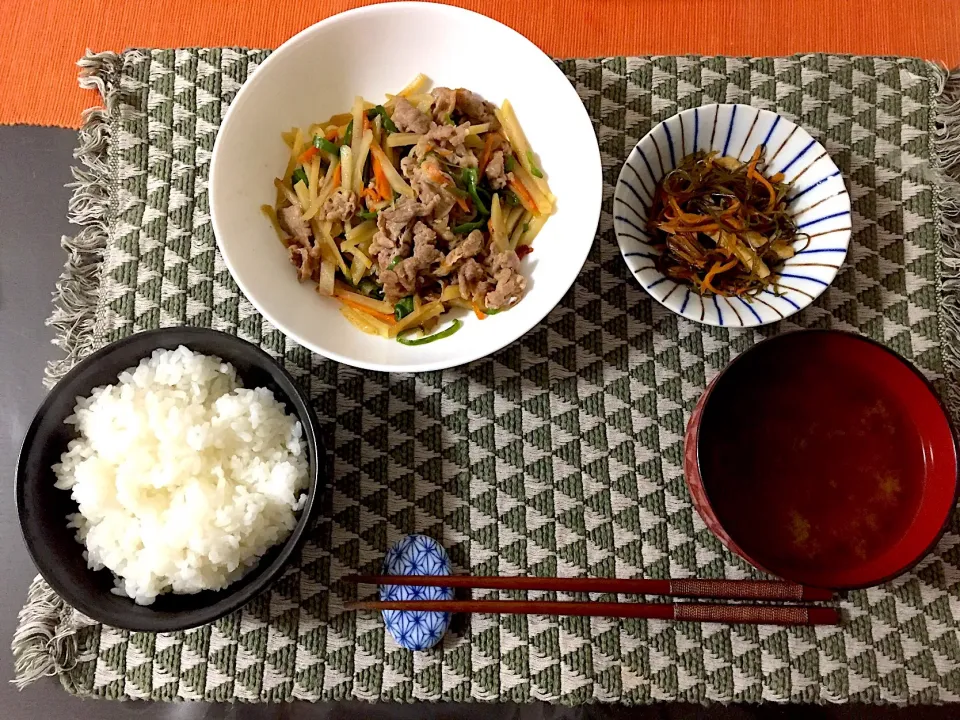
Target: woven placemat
[[559, 455]]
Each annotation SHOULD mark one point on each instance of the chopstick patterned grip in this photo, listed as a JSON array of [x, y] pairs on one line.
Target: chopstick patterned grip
[[738, 589], [774, 615]]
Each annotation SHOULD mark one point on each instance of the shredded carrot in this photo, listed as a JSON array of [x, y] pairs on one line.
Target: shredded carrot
[[716, 270], [332, 134], [371, 195], [755, 159], [462, 202], [430, 147], [525, 197], [436, 175], [337, 177], [487, 152], [389, 319], [685, 217], [383, 185], [770, 189], [366, 121], [734, 206], [307, 155], [478, 312]]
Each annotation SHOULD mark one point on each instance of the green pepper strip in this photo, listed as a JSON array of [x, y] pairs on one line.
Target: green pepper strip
[[470, 179], [387, 123], [348, 134], [469, 227], [321, 143], [393, 263], [454, 326], [367, 215], [454, 190], [369, 288], [403, 307], [533, 167], [299, 175], [510, 164]]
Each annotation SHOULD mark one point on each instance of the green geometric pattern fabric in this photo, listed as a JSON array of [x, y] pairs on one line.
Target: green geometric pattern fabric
[[559, 455]]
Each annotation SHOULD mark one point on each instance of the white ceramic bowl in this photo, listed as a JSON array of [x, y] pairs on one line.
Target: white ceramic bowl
[[371, 51], [818, 201]]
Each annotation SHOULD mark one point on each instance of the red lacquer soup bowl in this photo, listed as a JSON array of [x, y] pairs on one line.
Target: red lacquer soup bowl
[[824, 458]]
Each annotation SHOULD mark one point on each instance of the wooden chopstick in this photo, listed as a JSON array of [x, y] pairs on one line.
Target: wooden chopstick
[[684, 587], [694, 612]]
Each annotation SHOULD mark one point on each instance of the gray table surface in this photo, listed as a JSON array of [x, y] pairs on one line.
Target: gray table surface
[[34, 166]]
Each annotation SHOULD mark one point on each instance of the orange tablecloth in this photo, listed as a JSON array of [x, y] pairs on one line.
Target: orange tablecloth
[[40, 40]]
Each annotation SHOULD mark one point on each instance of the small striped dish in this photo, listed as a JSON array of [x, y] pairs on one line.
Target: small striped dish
[[818, 201]]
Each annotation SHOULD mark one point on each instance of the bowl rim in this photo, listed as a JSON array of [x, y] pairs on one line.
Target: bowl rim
[[594, 160], [938, 535], [230, 601], [806, 301]]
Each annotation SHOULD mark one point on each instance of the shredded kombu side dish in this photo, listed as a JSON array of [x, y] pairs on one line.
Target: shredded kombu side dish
[[721, 226]]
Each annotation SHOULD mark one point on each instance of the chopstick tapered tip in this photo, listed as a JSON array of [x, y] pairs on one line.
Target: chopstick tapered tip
[[362, 605], [811, 594], [824, 616]]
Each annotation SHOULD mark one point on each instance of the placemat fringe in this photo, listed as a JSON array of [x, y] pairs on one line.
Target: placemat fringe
[[44, 642], [76, 295], [946, 140]]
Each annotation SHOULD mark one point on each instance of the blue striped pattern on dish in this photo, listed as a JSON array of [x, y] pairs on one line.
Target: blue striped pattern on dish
[[819, 202]]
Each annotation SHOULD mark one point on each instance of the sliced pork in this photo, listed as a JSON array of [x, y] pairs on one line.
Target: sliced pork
[[408, 118]]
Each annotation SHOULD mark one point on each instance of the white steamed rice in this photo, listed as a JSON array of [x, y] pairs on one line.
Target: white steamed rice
[[183, 478]]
